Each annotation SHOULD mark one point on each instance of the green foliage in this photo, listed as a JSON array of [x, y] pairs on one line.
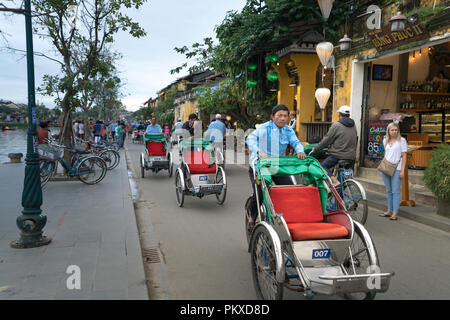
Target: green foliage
[[164, 111], [437, 174]]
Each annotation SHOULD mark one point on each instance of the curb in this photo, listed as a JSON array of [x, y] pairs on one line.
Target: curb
[[153, 259]]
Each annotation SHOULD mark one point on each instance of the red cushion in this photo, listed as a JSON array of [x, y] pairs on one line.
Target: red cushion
[[155, 148], [316, 231], [298, 204], [198, 162]]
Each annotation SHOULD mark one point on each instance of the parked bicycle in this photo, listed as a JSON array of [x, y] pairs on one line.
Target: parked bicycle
[[110, 155], [89, 169]]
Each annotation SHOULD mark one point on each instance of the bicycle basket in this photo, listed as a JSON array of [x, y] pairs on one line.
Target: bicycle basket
[[47, 152]]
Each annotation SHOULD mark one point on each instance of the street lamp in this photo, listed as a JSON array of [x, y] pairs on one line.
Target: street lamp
[[345, 43], [398, 22], [325, 7], [31, 222]]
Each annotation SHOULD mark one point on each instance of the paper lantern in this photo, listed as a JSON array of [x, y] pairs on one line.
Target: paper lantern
[[273, 57], [325, 7], [272, 76], [252, 83], [252, 66], [322, 96], [324, 51]]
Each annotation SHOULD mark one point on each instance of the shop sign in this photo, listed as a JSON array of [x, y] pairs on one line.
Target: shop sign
[[384, 39], [376, 130]]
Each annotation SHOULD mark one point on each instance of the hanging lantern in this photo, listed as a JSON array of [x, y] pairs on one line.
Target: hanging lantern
[[272, 76], [252, 66], [252, 83], [345, 43], [228, 118], [398, 22], [273, 57], [325, 7], [322, 96], [324, 51]]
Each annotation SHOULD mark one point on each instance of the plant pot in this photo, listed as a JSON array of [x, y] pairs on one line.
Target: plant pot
[[443, 208]]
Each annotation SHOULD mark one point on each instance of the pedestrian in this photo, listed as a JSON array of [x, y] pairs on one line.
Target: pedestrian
[[112, 130], [42, 133], [120, 131], [76, 128], [97, 131], [81, 129], [292, 122], [102, 132], [395, 149]]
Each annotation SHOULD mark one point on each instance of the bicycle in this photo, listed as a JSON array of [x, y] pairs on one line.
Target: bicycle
[[351, 191], [110, 155], [89, 169]]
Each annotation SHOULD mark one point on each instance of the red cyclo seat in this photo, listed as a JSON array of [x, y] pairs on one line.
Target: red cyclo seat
[[198, 162], [155, 148], [302, 211]]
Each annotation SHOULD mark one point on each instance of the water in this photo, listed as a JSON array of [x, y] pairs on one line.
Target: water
[[15, 141]]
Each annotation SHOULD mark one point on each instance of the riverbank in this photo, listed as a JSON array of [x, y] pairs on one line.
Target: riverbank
[[14, 124], [92, 227]]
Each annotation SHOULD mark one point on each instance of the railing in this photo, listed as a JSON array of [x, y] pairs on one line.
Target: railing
[[316, 129]]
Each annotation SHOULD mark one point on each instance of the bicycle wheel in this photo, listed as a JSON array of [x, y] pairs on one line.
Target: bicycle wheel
[[111, 157], [361, 261], [179, 189], [355, 200], [91, 170], [47, 167], [263, 261], [221, 179]]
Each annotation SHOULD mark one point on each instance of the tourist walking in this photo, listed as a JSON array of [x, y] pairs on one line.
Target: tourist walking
[[395, 149], [97, 131], [81, 129], [120, 132]]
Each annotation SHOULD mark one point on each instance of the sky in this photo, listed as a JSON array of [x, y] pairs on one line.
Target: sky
[[147, 61]]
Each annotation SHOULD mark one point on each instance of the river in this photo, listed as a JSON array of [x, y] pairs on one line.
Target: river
[[13, 141]]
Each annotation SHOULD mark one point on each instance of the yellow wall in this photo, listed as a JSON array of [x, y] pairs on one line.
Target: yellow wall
[[307, 67]]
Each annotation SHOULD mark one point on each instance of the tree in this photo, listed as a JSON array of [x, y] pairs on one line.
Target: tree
[[79, 47], [164, 111]]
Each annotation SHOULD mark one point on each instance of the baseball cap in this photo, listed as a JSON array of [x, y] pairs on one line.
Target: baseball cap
[[344, 110], [218, 116]]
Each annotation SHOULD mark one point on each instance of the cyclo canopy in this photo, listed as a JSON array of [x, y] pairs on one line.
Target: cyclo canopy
[[309, 168]]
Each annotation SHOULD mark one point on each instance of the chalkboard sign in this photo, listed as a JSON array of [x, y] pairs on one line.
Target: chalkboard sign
[[376, 130]]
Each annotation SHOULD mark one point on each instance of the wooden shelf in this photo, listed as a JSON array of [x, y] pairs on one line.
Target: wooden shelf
[[443, 94]]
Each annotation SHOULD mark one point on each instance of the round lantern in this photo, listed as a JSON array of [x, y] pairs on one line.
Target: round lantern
[[272, 76], [273, 57], [252, 83], [324, 51], [252, 66]]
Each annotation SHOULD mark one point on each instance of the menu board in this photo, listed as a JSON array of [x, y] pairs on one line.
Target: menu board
[[376, 130]]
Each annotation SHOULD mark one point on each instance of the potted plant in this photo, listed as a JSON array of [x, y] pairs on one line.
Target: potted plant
[[437, 177]]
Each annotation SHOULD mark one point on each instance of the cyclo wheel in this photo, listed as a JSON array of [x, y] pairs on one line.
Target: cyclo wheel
[[179, 189], [263, 265], [355, 201], [111, 157], [248, 231], [46, 169], [359, 262], [91, 170], [170, 165], [220, 178]]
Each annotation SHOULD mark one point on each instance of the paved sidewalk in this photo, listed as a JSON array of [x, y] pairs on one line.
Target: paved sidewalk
[[93, 227]]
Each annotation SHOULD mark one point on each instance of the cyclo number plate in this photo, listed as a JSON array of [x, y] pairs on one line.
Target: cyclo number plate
[[203, 178], [348, 173], [321, 253]]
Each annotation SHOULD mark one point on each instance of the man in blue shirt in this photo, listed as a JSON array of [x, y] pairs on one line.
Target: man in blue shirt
[[216, 130], [153, 127], [271, 139]]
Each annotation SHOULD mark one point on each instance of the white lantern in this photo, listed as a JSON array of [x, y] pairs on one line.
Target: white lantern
[[325, 7], [322, 96], [324, 51]]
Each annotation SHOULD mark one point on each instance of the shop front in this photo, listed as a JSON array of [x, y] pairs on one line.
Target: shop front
[[403, 77]]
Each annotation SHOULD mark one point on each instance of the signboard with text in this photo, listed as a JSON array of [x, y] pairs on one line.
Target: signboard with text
[[376, 130], [384, 39]]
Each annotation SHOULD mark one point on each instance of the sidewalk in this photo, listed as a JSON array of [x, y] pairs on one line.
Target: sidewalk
[[419, 213], [93, 227]]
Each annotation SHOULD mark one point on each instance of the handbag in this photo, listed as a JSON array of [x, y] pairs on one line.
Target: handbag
[[387, 167]]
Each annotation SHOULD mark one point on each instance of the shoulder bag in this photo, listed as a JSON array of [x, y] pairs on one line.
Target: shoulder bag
[[387, 167]]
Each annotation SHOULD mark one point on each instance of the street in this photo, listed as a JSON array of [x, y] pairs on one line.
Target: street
[[205, 249]]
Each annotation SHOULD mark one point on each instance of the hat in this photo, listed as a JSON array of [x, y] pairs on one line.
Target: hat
[[344, 110], [218, 116]]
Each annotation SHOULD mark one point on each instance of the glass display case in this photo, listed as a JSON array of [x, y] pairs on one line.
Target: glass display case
[[436, 125]]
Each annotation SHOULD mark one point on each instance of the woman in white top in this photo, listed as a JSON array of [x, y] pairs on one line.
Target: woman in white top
[[395, 149]]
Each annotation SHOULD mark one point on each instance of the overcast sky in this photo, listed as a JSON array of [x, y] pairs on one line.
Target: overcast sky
[[146, 61]]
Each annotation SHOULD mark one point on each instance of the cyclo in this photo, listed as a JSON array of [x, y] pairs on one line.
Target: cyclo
[[298, 244], [156, 157], [199, 173]]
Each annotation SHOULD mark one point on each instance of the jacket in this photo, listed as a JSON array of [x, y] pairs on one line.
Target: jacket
[[342, 139]]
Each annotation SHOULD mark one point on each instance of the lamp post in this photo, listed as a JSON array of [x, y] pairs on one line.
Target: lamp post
[[31, 221]]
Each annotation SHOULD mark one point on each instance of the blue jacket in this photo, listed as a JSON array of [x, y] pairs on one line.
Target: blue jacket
[[272, 140]]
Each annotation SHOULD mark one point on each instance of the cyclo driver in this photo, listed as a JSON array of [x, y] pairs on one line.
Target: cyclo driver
[[271, 139]]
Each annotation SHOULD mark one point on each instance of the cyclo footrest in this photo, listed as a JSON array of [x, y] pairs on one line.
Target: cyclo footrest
[[376, 282]]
